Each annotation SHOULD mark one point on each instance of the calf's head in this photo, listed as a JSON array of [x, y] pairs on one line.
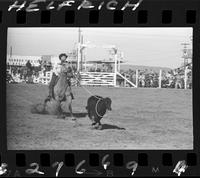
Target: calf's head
[[108, 103]]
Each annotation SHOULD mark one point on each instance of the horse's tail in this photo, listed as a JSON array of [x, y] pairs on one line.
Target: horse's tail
[[38, 109]]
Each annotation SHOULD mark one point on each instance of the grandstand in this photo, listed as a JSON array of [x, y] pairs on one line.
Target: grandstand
[[16, 60]]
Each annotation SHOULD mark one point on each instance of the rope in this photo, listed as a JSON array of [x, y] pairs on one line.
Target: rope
[[88, 91], [97, 108], [99, 99]]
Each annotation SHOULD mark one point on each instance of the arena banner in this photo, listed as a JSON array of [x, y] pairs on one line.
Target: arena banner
[[99, 88]]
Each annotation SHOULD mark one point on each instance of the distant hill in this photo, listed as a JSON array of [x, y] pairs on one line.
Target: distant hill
[[126, 67]]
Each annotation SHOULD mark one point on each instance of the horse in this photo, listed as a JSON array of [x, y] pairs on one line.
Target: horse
[[62, 101]]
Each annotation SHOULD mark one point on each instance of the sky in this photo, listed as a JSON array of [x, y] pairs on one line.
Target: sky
[[140, 46]]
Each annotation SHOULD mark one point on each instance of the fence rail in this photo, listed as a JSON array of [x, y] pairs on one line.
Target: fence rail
[[43, 79], [97, 78]]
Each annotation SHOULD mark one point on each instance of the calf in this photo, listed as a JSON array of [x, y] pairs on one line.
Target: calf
[[97, 107]]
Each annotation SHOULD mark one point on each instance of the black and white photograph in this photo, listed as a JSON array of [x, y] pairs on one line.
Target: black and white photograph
[[79, 88]]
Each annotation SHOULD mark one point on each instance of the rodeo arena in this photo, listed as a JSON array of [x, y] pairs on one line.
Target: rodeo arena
[[146, 102]]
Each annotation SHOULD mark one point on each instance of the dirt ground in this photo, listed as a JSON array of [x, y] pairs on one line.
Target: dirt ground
[[141, 119]]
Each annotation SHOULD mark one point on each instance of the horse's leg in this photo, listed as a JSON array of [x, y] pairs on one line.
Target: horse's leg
[[69, 105], [71, 112], [60, 114]]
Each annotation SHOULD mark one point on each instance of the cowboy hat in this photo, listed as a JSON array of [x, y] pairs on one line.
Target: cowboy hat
[[63, 54]]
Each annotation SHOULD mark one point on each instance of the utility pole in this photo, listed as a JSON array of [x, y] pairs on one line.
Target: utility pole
[[10, 51], [79, 49], [185, 51], [186, 56], [115, 58], [81, 52]]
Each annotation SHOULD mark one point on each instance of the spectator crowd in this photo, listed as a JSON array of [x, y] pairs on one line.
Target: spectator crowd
[[150, 79], [22, 73], [146, 78], [29, 73]]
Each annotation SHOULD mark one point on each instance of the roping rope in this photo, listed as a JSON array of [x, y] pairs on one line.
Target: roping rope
[[99, 99]]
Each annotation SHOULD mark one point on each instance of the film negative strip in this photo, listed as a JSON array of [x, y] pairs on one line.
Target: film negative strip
[[100, 88]]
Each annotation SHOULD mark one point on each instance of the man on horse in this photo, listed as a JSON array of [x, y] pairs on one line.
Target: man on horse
[[57, 69]]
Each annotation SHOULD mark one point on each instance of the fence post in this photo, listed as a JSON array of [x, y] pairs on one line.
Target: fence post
[[119, 67], [78, 57], [115, 71], [85, 65], [96, 67], [160, 78], [115, 77], [185, 79], [136, 78], [125, 80]]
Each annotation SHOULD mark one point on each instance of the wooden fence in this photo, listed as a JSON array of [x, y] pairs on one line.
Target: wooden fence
[[43, 79], [97, 78], [105, 79], [87, 78]]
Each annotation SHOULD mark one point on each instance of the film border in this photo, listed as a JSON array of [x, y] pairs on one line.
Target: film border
[[151, 13]]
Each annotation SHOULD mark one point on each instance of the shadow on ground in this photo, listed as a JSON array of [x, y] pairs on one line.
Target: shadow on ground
[[108, 126], [77, 115]]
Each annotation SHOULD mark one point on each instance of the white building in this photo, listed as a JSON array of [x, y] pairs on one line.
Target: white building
[[15, 60]]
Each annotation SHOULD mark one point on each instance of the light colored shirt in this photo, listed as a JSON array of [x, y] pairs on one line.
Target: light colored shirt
[[58, 68]]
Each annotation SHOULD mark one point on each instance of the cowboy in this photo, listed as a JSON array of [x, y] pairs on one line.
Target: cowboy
[[29, 65], [57, 69], [178, 81]]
